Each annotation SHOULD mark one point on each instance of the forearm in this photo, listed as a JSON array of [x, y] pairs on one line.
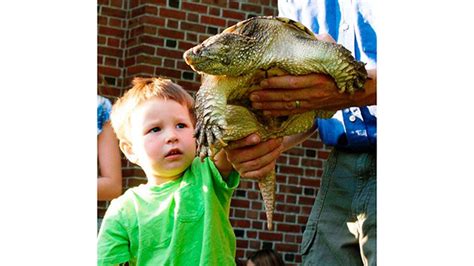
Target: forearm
[[108, 188], [109, 183], [223, 164], [293, 140]]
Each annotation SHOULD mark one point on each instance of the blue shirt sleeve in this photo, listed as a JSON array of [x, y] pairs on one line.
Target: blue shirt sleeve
[[104, 107], [353, 129]]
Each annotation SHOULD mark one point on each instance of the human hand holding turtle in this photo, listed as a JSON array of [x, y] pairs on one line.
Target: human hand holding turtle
[[288, 95]]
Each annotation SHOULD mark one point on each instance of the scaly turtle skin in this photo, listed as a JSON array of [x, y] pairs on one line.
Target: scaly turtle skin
[[232, 65]]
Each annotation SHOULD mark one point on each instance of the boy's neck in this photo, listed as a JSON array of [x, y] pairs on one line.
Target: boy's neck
[[158, 180]]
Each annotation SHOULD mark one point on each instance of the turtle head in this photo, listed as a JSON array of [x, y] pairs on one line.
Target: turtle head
[[223, 54]]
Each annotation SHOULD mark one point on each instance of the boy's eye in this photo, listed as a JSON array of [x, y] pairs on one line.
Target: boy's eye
[[155, 129], [180, 125]]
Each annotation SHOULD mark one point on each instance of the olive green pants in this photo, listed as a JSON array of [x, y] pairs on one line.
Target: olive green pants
[[341, 229]]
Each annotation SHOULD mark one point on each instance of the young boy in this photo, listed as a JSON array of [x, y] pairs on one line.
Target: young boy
[[181, 216]]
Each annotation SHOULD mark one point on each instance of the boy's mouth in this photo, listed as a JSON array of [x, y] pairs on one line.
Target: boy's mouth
[[173, 152]]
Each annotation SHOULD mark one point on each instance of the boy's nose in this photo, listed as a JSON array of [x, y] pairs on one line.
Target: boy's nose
[[171, 136]]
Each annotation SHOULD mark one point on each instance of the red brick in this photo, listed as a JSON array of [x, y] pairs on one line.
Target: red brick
[[213, 21], [233, 14], [251, 8], [193, 27], [310, 182], [154, 2], [118, 23], [234, 4], [282, 159], [191, 37], [116, 3], [242, 243], [295, 151], [257, 205], [270, 11], [252, 214], [286, 247], [312, 143], [130, 61], [241, 223], [290, 189], [285, 208], [169, 63], [142, 49], [169, 53], [113, 42], [152, 10], [109, 61], [170, 73], [290, 170], [113, 12], [252, 195], [137, 31], [101, 40], [306, 201], [138, 11], [257, 224], [239, 213], [102, 21], [111, 32], [269, 236], [290, 238], [231, 22], [192, 17], [171, 34], [171, 13], [110, 51], [252, 234], [153, 20], [189, 86], [288, 228], [140, 69], [293, 180], [222, 3], [145, 39], [240, 203], [290, 199], [215, 11], [294, 161], [323, 154], [202, 9], [309, 172]]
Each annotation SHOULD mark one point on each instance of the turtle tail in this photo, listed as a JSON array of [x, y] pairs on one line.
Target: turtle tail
[[267, 188]]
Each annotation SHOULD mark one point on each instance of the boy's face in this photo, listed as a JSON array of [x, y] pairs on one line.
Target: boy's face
[[162, 138]]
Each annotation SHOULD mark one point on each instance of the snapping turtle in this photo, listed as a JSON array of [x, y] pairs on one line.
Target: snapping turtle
[[232, 65]]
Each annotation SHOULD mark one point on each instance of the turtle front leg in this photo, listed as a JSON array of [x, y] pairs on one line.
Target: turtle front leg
[[210, 118]]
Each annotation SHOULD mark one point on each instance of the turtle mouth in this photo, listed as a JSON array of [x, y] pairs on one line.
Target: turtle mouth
[[189, 57]]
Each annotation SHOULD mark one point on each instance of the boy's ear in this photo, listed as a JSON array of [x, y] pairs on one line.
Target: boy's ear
[[127, 149]]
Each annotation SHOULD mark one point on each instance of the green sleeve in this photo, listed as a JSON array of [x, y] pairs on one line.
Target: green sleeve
[[113, 240], [232, 180]]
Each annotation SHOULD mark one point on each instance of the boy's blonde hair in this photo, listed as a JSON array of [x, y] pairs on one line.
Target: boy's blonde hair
[[144, 89]]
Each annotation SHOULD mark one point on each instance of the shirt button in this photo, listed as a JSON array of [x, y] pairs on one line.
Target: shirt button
[[345, 26], [352, 118]]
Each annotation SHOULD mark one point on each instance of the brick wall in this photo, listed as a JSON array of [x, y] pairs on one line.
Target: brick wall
[[148, 38]]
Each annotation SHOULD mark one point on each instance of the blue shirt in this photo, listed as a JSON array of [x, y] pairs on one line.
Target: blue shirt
[[350, 23], [104, 107]]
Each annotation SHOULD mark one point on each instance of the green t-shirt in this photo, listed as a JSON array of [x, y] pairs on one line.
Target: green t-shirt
[[182, 222]]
